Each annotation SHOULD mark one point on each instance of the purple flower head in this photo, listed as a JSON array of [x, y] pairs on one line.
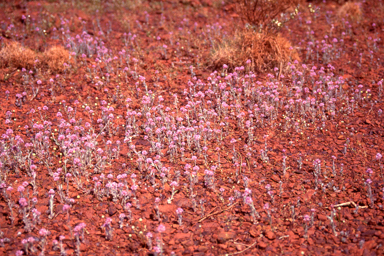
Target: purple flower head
[[43, 232], [79, 228], [179, 211], [248, 200], [107, 222], [161, 228], [23, 202], [20, 189]]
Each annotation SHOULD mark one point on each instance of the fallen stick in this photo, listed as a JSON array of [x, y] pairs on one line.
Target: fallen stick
[[350, 203], [217, 212], [242, 250]]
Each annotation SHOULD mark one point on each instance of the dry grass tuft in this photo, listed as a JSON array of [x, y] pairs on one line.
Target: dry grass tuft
[[13, 54], [55, 57], [265, 51], [264, 14], [351, 11]]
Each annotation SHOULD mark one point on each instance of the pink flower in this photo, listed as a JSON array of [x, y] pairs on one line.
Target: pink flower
[[66, 207], [20, 189], [23, 202], [161, 228], [179, 211], [43, 232], [79, 227], [108, 222], [249, 200]]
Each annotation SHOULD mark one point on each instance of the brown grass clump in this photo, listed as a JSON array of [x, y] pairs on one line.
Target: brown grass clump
[[13, 54], [264, 14], [265, 51], [350, 10], [55, 57]]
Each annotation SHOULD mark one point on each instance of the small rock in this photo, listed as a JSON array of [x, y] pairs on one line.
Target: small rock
[[262, 245], [202, 248], [321, 217], [275, 178], [222, 237], [254, 232], [270, 235], [181, 236], [368, 233], [112, 210]]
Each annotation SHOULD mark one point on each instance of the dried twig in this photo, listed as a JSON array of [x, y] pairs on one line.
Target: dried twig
[[235, 253], [350, 203], [217, 212]]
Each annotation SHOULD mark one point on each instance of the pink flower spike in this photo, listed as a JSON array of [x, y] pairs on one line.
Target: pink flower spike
[[43, 232], [179, 211], [161, 228]]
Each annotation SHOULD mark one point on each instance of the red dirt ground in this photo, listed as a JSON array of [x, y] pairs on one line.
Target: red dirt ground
[[267, 163]]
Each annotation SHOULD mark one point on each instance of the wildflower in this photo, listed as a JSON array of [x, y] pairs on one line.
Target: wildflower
[[161, 228]]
